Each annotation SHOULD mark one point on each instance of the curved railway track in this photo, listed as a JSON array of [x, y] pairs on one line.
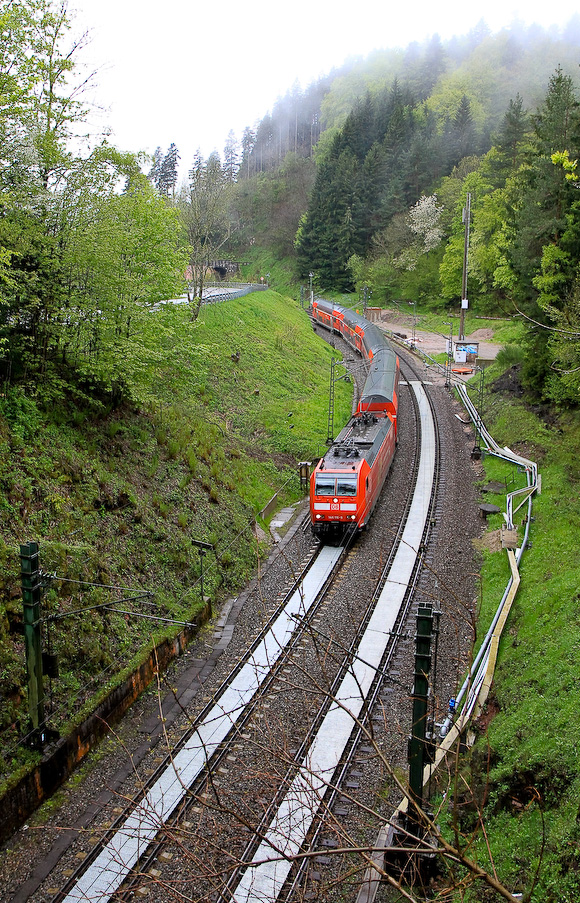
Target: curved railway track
[[350, 698], [262, 744], [335, 692]]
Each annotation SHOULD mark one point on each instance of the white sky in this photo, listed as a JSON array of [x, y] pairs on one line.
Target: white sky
[[188, 72]]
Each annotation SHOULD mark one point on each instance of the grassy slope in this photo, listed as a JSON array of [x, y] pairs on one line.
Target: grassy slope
[[120, 496], [116, 497], [525, 769]]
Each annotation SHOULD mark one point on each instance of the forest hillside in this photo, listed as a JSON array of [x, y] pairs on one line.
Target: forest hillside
[[129, 426], [406, 141]]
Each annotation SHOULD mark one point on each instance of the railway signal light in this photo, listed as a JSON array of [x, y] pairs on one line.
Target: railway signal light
[[417, 742]]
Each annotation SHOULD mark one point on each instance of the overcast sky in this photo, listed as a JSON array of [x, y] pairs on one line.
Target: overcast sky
[[188, 72]]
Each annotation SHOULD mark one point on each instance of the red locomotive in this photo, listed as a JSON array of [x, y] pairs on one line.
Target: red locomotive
[[347, 481]]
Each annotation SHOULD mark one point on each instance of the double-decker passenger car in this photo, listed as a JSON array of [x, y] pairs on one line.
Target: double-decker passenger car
[[347, 481]]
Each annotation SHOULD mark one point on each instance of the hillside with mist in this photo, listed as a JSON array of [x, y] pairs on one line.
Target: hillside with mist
[[363, 178], [492, 67]]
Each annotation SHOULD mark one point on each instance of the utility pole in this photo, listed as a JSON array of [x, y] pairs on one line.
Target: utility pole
[[464, 301], [330, 422], [31, 589]]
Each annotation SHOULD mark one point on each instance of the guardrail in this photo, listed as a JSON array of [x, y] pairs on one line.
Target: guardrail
[[477, 683], [473, 693], [214, 292]]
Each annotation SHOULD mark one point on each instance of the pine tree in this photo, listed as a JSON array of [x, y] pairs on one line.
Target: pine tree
[[544, 251], [463, 130], [156, 164], [248, 144], [556, 123], [512, 132], [167, 179], [546, 194], [231, 160], [434, 65]]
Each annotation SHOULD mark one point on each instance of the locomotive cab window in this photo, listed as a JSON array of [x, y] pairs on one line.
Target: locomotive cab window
[[324, 485], [346, 486]]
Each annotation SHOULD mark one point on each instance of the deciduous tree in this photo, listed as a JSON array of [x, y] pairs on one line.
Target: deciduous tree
[[204, 207]]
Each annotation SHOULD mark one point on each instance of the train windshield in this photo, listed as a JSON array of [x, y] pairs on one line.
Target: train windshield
[[346, 486], [324, 484]]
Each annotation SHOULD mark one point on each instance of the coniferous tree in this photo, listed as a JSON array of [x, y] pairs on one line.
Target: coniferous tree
[[463, 130], [156, 164], [167, 179], [512, 133], [544, 223], [248, 143], [546, 195], [434, 65], [231, 161]]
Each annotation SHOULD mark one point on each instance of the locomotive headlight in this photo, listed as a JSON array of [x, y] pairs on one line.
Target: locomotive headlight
[[335, 501], [318, 516], [353, 517]]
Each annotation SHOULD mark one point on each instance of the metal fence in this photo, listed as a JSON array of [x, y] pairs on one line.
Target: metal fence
[[214, 292]]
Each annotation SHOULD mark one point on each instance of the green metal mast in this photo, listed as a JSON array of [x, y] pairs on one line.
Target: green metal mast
[[31, 590], [417, 744]]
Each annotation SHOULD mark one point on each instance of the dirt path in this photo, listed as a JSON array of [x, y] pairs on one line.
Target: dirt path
[[434, 342]]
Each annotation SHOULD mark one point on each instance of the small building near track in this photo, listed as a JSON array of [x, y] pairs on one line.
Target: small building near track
[[465, 352]]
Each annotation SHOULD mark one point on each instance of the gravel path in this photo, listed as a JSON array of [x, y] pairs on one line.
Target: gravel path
[[434, 342]]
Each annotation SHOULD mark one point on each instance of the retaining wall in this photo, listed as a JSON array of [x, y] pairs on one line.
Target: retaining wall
[[68, 752]]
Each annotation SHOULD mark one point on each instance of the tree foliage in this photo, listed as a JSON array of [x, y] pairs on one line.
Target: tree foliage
[[416, 139], [204, 208], [79, 257]]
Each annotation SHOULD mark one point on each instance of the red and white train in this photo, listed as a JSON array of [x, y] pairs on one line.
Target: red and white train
[[347, 481]]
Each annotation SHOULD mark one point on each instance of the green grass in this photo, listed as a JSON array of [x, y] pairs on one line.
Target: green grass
[[525, 769], [119, 496], [505, 332], [279, 274]]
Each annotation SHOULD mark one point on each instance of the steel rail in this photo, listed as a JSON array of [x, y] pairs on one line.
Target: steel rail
[[200, 783], [265, 876], [129, 837], [361, 730], [473, 693]]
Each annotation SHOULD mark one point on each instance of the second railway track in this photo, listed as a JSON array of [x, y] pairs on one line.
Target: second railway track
[[204, 847], [223, 737]]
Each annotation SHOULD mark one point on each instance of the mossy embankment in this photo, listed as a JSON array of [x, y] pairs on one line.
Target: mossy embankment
[[222, 410]]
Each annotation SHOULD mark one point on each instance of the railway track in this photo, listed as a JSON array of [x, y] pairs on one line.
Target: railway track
[[206, 744], [305, 666], [349, 702], [214, 842]]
